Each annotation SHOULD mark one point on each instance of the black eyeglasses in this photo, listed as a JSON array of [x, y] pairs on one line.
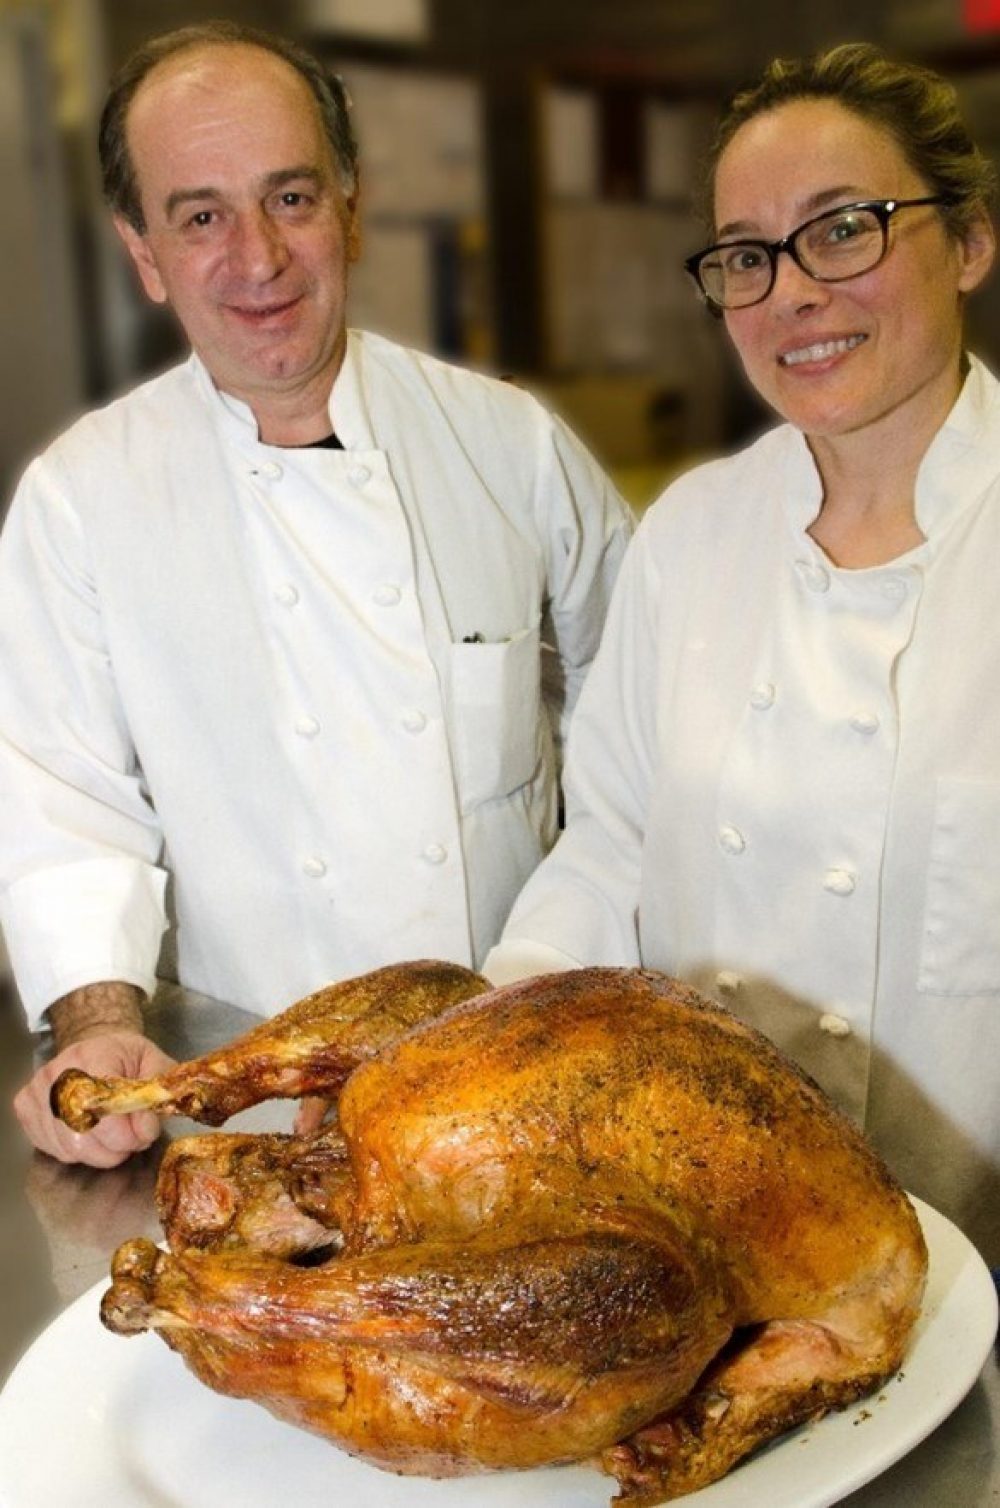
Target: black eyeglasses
[[832, 247]]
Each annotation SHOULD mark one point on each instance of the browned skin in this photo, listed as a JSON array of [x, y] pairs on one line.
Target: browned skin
[[311, 1048], [590, 1216]]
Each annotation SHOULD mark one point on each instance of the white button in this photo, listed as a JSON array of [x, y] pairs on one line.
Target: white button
[[435, 853], [387, 595], [307, 727], [815, 576], [287, 594], [895, 588], [271, 470], [762, 696], [358, 476], [865, 722], [835, 1026], [731, 839], [414, 721], [314, 868], [727, 982], [839, 881]]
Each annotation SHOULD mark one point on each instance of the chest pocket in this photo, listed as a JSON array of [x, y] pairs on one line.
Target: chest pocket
[[960, 951], [496, 703]]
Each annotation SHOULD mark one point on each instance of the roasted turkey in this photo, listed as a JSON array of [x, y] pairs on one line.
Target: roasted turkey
[[590, 1216]]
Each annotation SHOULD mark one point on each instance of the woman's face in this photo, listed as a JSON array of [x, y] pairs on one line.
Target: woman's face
[[840, 358]]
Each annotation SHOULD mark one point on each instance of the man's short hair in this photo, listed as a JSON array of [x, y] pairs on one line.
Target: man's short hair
[[121, 189]]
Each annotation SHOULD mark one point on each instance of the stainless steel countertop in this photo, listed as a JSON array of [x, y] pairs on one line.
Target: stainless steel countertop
[[59, 1226]]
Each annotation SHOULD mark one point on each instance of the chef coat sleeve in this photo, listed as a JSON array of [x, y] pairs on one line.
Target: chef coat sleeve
[[584, 526], [580, 906], [81, 896]]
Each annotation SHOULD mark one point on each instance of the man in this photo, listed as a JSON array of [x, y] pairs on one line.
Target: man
[[271, 624]]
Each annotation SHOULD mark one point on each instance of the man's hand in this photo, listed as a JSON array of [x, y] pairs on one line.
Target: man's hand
[[98, 1029]]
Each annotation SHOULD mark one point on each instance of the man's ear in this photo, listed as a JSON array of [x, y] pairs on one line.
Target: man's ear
[[138, 249], [352, 237]]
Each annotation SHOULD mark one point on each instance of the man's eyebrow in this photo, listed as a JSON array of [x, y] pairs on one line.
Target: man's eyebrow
[[282, 176], [817, 201], [268, 184], [180, 197]]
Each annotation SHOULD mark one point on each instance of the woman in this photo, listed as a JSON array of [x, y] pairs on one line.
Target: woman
[[784, 773]]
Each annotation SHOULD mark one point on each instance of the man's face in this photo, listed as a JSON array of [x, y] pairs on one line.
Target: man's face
[[248, 232]]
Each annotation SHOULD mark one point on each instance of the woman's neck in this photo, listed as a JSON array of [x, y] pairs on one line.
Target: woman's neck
[[868, 514]]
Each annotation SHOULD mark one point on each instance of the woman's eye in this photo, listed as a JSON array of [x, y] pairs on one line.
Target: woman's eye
[[743, 259], [845, 228]]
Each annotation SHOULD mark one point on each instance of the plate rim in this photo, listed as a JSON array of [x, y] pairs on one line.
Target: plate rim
[[971, 1280]]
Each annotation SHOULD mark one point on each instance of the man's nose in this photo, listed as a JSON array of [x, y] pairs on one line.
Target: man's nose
[[257, 249]]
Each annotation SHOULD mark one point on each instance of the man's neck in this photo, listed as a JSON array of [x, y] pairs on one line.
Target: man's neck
[[298, 427], [299, 414]]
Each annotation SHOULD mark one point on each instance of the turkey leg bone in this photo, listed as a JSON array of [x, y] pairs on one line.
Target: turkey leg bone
[[311, 1048]]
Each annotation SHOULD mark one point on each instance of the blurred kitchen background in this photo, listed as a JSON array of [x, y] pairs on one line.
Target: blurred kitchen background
[[528, 167]]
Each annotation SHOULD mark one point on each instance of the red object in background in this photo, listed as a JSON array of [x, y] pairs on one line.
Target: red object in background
[[981, 15]]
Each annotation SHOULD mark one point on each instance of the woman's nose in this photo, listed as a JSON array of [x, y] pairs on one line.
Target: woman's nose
[[793, 287]]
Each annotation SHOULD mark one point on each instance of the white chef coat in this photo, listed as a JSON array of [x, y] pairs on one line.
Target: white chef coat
[[783, 785], [246, 668]]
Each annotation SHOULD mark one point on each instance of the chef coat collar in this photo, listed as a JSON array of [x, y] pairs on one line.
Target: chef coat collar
[[348, 410], [964, 455], [962, 458]]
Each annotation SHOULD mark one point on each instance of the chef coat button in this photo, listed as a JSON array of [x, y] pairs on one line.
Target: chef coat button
[[307, 727], [839, 881], [287, 594], [727, 982], [865, 722], [435, 853], [731, 839], [894, 588], [359, 475], [762, 696], [387, 595], [314, 868], [414, 721], [834, 1026], [271, 470], [815, 576]]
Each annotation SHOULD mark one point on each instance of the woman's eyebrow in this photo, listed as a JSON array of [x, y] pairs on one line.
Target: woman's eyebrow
[[816, 201]]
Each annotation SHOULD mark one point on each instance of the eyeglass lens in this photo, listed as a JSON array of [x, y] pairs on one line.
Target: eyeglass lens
[[833, 247]]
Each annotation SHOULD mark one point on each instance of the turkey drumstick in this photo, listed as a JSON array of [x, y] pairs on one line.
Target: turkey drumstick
[[310, 1048]]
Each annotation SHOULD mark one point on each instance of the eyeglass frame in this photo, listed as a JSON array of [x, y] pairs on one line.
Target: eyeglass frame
[[882, 209]]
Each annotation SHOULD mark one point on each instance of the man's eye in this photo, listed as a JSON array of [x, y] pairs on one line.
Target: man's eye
[[294, 199], [201, 218]]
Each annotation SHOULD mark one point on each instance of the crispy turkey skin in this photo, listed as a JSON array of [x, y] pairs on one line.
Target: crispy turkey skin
[[590, 1216]]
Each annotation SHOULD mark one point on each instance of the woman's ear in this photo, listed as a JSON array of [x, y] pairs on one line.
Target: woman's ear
[[977, 249]]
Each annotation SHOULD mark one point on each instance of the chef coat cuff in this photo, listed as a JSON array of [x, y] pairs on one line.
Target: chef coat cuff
[[83, 923], [510, 961]]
